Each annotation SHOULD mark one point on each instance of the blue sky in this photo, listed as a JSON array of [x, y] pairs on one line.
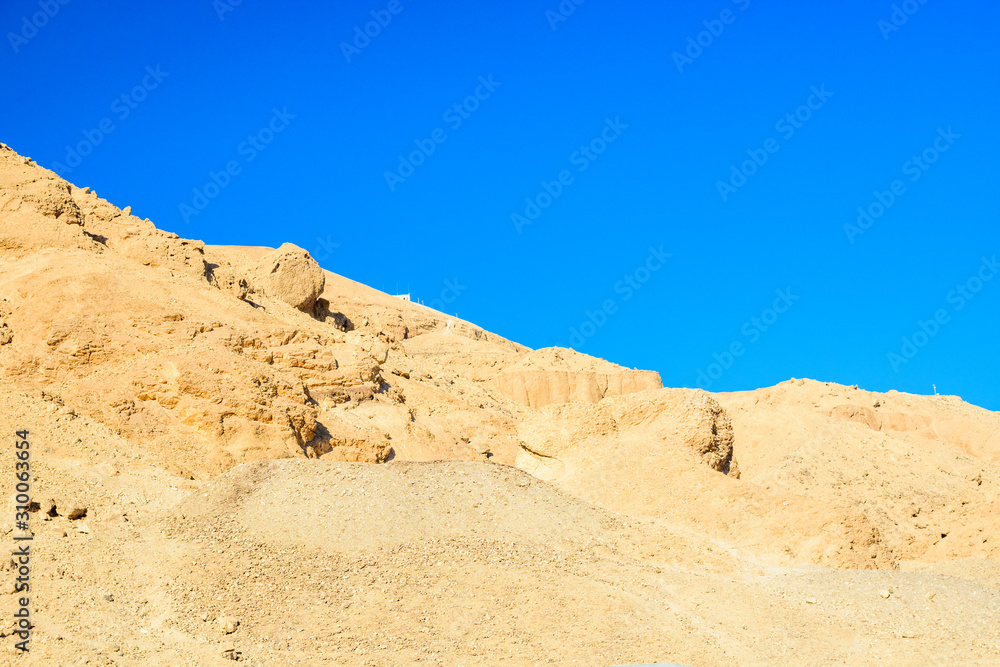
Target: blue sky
[[668, 124]]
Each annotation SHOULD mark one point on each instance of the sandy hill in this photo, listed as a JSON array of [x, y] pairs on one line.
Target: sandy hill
[[282, 466]]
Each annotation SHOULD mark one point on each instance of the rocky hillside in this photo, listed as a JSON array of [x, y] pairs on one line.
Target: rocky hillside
[[269, 462]]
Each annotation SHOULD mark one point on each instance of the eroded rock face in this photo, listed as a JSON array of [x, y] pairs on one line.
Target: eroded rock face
[[291, 275], [553, 375], [52, 198], [141, 333], [36, 208], [659, 424], [885, 420]]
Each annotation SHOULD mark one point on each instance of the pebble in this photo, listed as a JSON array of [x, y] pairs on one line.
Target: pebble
[[228, 624], [48, 509], [885, 594]]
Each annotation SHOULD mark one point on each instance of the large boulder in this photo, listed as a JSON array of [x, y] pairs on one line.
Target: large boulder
[[291, 275]]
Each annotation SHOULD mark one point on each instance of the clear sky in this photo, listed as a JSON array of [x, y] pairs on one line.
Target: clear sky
[[667, 185]]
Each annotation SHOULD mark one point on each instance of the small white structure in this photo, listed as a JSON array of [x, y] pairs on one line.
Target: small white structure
[[404, 297]]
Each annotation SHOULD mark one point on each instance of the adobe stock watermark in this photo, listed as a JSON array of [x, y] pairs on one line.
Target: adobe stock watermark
[[914, 168], [249, 150], [958, 298], [328, 247], [752, 330], [223, 7], [23, 479], [629, 284], [901, 13], [562, 13], [37, 21], [449, 294], [455, 116], [121, 107], [713, 30], [787, 125], [581, 158], [381, 18]]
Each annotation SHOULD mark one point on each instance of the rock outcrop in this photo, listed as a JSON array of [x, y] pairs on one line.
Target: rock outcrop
[[557, 375], [650, 426]]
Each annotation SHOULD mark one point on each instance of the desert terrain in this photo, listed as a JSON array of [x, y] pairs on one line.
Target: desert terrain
[[239, 456]]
